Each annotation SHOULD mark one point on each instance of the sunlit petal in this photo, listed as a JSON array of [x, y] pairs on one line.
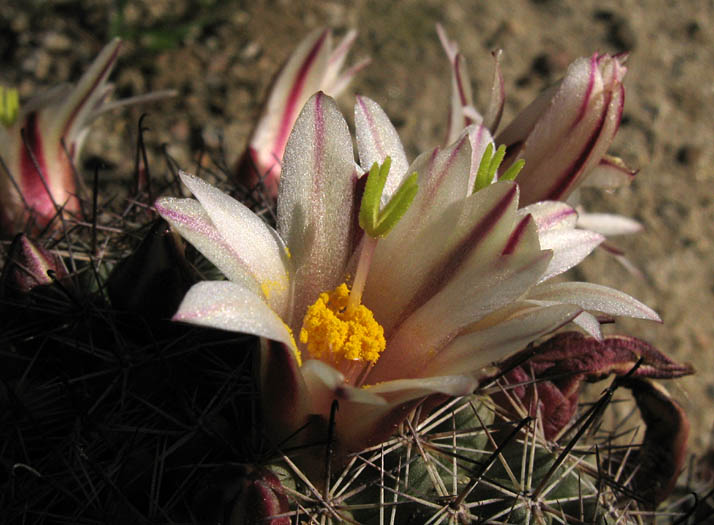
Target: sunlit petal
[[233, 307], [316, 201], [595, 297]]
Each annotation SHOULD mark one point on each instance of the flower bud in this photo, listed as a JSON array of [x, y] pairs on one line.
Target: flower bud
[[40, 145], [313, 66], [565, 133], [29, 266], [262, 497]]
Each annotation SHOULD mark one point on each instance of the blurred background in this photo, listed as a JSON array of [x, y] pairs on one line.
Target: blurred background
[[222, 55]]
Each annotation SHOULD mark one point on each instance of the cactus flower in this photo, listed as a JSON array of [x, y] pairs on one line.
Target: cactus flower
[[40, 144], [381, 304], [313, 66]]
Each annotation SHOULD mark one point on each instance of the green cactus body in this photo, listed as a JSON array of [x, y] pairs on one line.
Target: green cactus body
[[463, 464]]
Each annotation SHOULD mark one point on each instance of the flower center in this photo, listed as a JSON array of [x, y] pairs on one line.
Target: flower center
[[333, 332]]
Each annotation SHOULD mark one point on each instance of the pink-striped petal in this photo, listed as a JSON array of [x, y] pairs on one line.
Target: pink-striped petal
[[316, 201], [609, 174], [258, 246], [461, 94], [377, 139], [475, 350], [569, 247], [594, 297], [230, 306], [190, 220], [476, 227], [29, 265], [474, 292], [551, 215], [300, 77]]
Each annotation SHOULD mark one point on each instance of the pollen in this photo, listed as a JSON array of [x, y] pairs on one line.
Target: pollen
[[333, 332], [268, 287]]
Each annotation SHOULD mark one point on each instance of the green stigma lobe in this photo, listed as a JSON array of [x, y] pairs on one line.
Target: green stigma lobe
[[9, 105], [484, 166], [488, 167], [512, 172], [376, 222]]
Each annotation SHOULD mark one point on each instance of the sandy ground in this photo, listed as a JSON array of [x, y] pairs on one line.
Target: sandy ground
[[221, 57]]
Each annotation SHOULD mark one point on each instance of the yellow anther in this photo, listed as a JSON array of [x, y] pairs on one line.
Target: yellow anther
[[333, 332]]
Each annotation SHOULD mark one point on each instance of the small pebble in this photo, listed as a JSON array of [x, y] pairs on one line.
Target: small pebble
[[57, 42]]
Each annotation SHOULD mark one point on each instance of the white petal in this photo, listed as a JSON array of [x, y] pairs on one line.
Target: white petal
[[316, 199], [191, 221], [461, 94], [335, 62], [359, 425], [326, 384], [401, 390], [609, 174], [76, 111], [569, 248], [257, 243], [233, 307], [608, 224], [376, 140], [478, 225], [589, 323], [551, 215], [596, 297], [473, 351], [472, 294]]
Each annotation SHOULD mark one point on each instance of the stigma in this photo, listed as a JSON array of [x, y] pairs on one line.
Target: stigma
[[334, 332]]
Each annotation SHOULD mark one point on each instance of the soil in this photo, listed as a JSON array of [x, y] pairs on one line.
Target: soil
[[221, 57]]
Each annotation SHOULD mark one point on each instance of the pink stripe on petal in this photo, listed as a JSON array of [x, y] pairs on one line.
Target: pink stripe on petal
[[291, 108], [517, 234], [568, 177], [374, 132], [451, 262], [34, 188], [460, 81]]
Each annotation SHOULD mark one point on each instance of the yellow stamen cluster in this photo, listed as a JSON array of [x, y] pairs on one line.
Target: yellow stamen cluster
[[334, 332]]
